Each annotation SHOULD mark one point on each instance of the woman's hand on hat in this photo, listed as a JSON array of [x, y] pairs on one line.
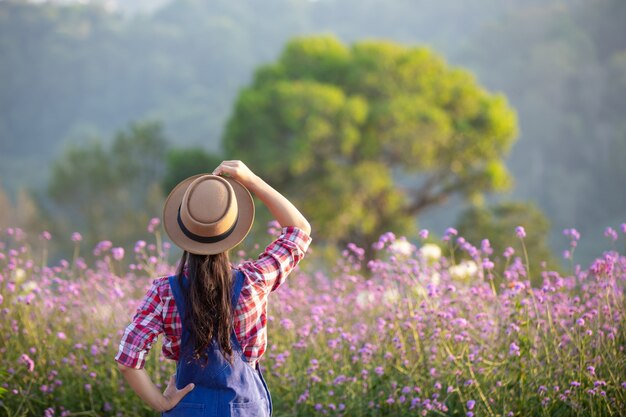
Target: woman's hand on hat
[[236, 170]]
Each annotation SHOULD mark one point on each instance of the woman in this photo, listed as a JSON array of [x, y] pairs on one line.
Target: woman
[[213, 316]]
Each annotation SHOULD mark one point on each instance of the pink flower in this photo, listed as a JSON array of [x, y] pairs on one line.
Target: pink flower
[[520, 232], [450, 231], [76, 237], [487, 264], [45, 235], [423, 234], [26, 360], [154, 222], [610, 233], [102, 247], [118, 253], [140, 245]]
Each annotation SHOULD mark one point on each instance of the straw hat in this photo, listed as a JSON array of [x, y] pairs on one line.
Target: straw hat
[[208, 214]]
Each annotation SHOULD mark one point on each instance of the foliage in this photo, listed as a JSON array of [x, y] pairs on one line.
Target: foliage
[[495, 222], [561, 67], [182, 163], [331, 122], [109, 192], [415, 338], [67, 69]]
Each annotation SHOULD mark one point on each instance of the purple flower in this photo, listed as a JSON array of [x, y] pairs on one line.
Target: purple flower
[[26, 360], [610, 233], [520, 232], [575, 384], [487, 264], [514, 350], [580, 322], [508, 252], [572, 234], [424, 234], [154, 222], [45, 235], [379, 370], [76, 237], [470, 404], [623, 228], [48, 412], [450, 231], [485, 246], [118, 253], [140, 245], [101, 247]]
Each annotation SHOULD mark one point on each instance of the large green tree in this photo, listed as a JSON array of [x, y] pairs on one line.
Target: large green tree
[[365, 137]]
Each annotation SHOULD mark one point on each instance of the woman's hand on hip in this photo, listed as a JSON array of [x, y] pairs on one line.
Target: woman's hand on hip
[[173, 395]]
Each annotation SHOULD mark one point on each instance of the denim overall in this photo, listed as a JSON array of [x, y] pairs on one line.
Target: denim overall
[[221, 389]]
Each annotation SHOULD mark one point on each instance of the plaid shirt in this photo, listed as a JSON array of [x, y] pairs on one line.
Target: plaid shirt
[[158, 313]]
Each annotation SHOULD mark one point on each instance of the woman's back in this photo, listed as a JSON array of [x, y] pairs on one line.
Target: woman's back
[[213, 316]]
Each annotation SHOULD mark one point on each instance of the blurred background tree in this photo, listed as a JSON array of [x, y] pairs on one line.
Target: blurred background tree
[[337, 128], [109, 191], [182, 163]]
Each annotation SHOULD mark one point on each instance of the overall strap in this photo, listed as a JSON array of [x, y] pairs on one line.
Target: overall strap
[[237, 286]]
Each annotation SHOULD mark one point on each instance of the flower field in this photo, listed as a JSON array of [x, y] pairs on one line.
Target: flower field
[[441, 328]]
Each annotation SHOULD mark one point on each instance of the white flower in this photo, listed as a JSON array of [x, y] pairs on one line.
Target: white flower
[[430, 252], [29, 286], [401, 247], [463, 271], [364, 299], [19, 275], [435, 278], [391, 295]]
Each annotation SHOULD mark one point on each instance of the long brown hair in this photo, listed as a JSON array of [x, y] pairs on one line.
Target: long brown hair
[[208, 301]]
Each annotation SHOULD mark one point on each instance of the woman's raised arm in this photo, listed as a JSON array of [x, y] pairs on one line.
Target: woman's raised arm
[[282, 209]]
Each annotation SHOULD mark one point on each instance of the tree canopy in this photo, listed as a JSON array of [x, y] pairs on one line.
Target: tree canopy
[[367, 136]]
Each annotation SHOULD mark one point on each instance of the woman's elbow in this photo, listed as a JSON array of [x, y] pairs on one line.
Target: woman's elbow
[[305, 227]]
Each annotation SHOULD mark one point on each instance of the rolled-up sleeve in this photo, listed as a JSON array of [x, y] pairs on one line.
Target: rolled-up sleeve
[[143, 331], [270, 270]]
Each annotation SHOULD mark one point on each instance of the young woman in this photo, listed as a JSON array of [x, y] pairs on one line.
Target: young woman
[[213, 315]]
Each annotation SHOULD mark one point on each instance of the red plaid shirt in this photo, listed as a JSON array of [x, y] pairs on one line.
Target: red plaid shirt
[[158, 313]]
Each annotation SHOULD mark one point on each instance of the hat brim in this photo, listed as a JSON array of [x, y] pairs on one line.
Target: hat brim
[[245, 205]]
